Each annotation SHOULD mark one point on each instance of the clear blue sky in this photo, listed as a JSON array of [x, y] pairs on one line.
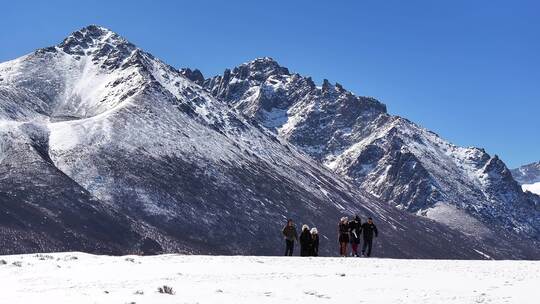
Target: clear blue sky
[[468, 70]]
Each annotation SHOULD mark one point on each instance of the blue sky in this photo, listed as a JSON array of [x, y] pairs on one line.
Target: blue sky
[[468, 70]]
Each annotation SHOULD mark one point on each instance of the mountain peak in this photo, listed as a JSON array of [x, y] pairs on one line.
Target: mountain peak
[[260, 68], [193, 75], [91, 38], [264, 60], [96, 30]]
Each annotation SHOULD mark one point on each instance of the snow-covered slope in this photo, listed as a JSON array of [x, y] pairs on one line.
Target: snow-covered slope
[[42, 209], [82, 278], [105, 148], [390, 157]]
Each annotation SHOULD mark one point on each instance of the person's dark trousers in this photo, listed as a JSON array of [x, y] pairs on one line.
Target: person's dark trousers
[[289, 247], [368, 243]]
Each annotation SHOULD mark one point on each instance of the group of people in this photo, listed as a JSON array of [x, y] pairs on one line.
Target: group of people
[[309, 240], [348, 232]]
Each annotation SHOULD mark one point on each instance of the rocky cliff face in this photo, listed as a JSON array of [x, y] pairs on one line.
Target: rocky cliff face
[[389, 157]]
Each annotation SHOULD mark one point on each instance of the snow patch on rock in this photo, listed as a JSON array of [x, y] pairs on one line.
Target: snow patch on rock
[[534, 188]]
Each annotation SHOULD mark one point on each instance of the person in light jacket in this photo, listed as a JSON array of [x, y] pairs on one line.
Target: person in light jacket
[[315, 242]]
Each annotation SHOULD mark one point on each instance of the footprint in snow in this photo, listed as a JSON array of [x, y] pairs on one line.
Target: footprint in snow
[[481, 298], [316, 294]]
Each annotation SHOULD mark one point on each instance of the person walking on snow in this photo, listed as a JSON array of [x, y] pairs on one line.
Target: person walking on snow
[[343, 232], [315, 242], [306, 241], [354, 233], [290, 235], [369, 230]]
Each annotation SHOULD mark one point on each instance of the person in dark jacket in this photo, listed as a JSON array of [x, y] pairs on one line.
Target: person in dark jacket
[[368, 231], [290, 235], [306, 241], [315, 242], [343, 236], [355, 228]]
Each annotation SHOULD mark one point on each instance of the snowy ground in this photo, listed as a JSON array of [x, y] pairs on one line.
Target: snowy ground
[[84, 278], [534, 188]]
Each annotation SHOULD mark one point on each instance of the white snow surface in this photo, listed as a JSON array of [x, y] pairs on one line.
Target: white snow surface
[[534, 188], [83, 278]]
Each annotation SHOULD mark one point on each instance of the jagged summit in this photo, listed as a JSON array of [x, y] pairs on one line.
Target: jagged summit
[[94, 31], [93, 70], [91, 39], [262, 62], [264, 59], [264, 67], [258, 69], [265, 90], [193, 75], [100, 44], [267, 70]]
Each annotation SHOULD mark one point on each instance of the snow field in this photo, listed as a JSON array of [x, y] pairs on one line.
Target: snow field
[[84, 278]]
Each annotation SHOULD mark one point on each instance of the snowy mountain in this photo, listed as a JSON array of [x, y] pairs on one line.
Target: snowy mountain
[[527, 174], [104, 148], [529, 177], [388, 156]]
